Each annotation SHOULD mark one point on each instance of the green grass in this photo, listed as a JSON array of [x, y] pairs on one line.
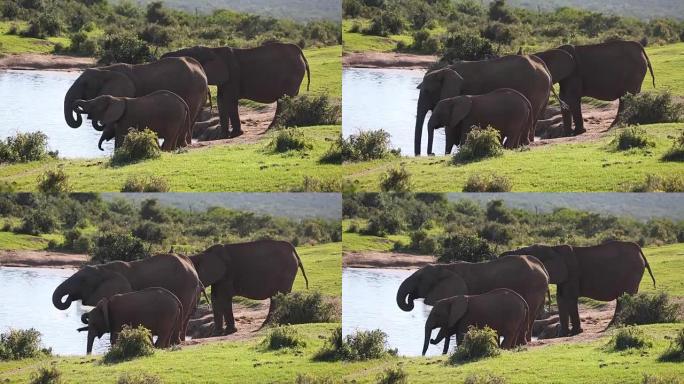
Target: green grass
[[18, 242], [667, 263], [667, 62], [357, 42], [323, 266], [219, 168], [583, 167], [12, 44]]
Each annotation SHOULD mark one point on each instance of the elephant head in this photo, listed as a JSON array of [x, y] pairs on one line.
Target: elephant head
[[448, 113], [432, 283], [437, 85], [445, 315], [98, 323], [106, 109], [219, 64], [90, 285], [212, 264], [93, 83], [560, 261], [561, 62]]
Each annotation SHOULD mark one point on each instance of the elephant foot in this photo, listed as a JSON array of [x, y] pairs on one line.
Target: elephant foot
[[230, 330], [579, 131], [576, 331], [236, 134]]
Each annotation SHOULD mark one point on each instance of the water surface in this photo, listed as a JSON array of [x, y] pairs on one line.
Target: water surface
[[26, 302]]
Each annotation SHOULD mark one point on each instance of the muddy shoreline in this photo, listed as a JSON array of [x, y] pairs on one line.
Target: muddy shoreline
[[42, 62], [385, 260], [391, 60], [41, 259]]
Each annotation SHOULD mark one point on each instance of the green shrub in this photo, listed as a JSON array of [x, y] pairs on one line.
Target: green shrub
[[302, 308], [131, 343], [632, 137], [17, 344], [308, 110], [43, 26], [393, 376], [138, 378], [388, 223], [396, 180], [37, 221], [308, 379], [627, 338], [25, 147], [466, 46], [283, 337], [490, 182], [655, 183], [367, 145], [487, 378], [384, 24], [137, 146], [459, 247], [53, 181], [118, 246], [82, 44], [145, 183], [156, 34], [124, 47], [423, 243], [645, 308], [496, 233], [314, 184], [151, 232], [75, 240], [498, 33], [676, 153], [359, 346], [290, 139], [478, 343], [650, 108], [499, 11], [675, 351], [424, 42], [46, 375], [653, 379], [334, 154], [480, 143]]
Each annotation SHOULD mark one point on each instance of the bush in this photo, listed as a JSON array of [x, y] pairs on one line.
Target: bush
[[138, 378], [644, 308], [488, 378], [466, 46], [650, 108], [142, 183], [308, 110], [43, 26], [306, 379], [46, 375], [396, 180], [393, 376], [387, 223], [651, 379], [53, 181], [632, 137], [118, 246], [423, 243], [37, 221], [284, 337], [82, 44], [491, 182], [314, 184], [676, 153], [137, 146], [367, 145], [302, 308], [75, 240], [478, 343], [290, 139], [334, 154], [628, 337], [655, 183], [498, 33], [157, 35], [17, 344], [496, 233], [480, 143], [151, 232], [675, 351], [131, 343], [124, 47], [457, 247], [25, 147], [359, 346], [425, 42], [384, 24], [499, 11]]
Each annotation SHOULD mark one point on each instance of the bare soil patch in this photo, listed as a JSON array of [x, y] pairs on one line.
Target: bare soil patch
[[255, 123], [248, 320], [42, 259], [387, 60], [35, 61], [594, 322], [597, 121], [389, 260]]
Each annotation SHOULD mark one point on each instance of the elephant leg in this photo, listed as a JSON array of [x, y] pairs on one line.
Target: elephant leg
[[621, 108], [566, 113], [533, 128], [224, 104], [270, 313], [574, 316], [613, 319], [275, 116], [217, 311], [535, 304], [563, 314], [235, 123], [228, 314], [447, 340]]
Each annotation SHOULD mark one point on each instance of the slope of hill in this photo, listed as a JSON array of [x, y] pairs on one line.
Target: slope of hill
[[300, 10], [633, 8]]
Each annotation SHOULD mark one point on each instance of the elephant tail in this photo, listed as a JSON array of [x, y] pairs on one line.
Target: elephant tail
[[301, 266], [650, 69], [308, 73], [647, 266]]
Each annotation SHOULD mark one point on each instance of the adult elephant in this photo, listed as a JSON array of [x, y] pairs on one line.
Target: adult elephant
[[182, 76], [256, 270], [602, 272], [263, 74], [525, 74], [93, 283], [605, 71], [523, 274]]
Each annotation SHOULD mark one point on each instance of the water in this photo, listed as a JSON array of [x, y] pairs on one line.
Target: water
[[369, 302], [34, 101], [26, 302], [386, 99]]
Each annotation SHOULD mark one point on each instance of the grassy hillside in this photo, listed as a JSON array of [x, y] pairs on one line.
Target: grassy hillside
[[633, 8], [11, 44]]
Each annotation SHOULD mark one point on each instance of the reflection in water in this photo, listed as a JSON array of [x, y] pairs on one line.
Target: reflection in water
[[369, 302], [386, 99], [34, 101], [26, 302]]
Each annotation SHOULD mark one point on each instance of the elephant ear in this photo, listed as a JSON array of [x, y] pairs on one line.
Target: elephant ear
[[113, 283], [458, 308], [460, 109], [452, 82], [103, 306], [215, 63], [555, 261], [448, 284], [114, 111], [116, 84]]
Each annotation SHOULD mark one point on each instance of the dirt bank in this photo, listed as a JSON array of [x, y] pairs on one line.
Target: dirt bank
[[41, 259], [248, 320], [594, 322], [597, 121], [255, 123], [35, 61], [390, 260], [386, 60]]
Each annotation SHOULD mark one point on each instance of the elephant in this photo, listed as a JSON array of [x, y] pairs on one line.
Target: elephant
[[95, 282], [155, 308], [182, 76], [526, 74], [163, 112], [504, 109], [263, 74], [602, 272], [541, 326], [256, 270], [525, 275], [502, 309], [605, 71]]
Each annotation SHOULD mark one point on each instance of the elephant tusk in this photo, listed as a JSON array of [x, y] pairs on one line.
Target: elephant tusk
[[82, 329]]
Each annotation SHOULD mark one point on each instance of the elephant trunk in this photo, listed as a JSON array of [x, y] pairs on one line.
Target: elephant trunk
[[428, 332], [431, 134], [57, 296], [420, 119], [102, 138], [405, 295], [91, 339], [98, 127], [84, 318], [71, 96]]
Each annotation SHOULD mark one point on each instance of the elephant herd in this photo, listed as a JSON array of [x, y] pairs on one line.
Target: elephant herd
[[511, 93], [507, 294], [168, 95], [162, 291]]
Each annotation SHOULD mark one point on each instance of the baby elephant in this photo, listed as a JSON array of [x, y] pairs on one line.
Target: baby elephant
[[163, 112], [157, 309], [501, 309], [504, 109]]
